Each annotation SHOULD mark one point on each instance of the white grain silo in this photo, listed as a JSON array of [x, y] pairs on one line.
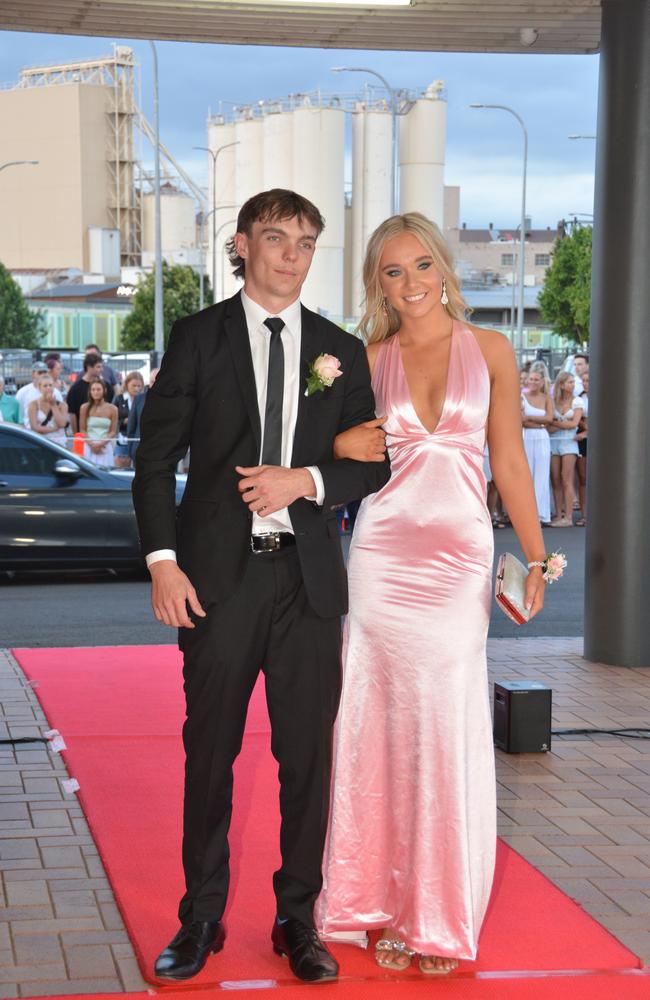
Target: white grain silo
[[422, 155], [371, 185], [248, 180], [249, 157], [277, 130], [177, 222], [318, 174]]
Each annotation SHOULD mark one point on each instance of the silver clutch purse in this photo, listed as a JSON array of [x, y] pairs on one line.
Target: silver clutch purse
[[510, 588]]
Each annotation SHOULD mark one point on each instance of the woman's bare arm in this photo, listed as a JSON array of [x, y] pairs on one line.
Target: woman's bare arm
[[508, 457], [34, 422]]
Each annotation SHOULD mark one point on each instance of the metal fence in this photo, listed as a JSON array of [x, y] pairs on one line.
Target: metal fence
[[16, 364]]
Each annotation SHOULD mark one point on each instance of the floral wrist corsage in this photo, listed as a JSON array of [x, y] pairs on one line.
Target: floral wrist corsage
[[552, 567], [322, 372]]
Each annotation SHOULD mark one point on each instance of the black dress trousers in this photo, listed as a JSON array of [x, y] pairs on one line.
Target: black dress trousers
[[268, 625]]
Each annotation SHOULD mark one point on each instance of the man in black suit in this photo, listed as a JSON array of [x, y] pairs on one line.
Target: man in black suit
[[260, 582], [135, 416]]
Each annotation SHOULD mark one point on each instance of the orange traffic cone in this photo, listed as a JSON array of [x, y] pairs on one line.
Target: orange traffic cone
[[78, 444]]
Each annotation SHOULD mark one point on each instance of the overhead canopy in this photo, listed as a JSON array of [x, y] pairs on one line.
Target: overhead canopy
[[427, 25]]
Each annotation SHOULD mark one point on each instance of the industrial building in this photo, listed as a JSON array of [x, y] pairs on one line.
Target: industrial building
[[76, 122], [299, 142], [85, 200], [87, 207]]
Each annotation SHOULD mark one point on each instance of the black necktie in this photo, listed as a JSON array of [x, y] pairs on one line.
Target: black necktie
[[272, 447]]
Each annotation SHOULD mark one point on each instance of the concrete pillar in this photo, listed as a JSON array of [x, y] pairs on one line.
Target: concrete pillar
[[617, 586]]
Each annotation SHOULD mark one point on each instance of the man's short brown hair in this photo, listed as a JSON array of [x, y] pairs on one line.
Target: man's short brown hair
[[91, 360], [271, 206]]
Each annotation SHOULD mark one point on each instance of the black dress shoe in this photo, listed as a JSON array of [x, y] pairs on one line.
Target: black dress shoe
[[188, 952], [309, 959]]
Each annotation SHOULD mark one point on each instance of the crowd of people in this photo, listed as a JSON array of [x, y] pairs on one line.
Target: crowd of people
[[106, 410], [554, 418], [96, 403]]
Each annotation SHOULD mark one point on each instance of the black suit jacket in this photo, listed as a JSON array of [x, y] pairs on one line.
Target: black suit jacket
[[205, 397], [133, 425]]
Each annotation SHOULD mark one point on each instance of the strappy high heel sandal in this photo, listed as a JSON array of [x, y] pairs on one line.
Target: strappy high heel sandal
[[385, 945]]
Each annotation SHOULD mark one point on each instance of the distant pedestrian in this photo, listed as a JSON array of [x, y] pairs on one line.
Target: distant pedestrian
[[28, 393], [98, 421], [536, 415], [133, 429], [581, 438], [9, 406], [78, 393], [110, 376], [567, 413], [55, 368], [46, 415], [124, 401]]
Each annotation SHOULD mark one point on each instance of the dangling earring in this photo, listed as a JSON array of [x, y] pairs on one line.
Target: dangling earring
[[444, 298]]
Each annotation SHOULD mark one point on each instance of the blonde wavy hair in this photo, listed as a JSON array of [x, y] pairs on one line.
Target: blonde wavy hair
[[560, 394], [380, 320], [540, 368]]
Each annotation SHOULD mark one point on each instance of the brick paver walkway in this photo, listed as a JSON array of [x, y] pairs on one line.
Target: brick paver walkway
[[580, 814]]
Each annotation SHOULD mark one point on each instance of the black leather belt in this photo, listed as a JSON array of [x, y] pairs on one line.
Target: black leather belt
[[272, 541]]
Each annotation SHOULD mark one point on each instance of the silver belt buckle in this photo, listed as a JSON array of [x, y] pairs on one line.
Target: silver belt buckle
[[273, 542]]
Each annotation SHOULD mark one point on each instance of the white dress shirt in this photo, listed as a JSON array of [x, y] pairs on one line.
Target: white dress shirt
[[259, 337]]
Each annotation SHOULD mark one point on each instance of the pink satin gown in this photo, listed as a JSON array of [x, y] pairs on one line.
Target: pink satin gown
[[412, 836]]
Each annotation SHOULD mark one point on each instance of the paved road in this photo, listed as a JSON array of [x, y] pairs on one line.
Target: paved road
[[91, 609]]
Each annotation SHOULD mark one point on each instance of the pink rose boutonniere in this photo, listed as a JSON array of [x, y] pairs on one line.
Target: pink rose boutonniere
[[322, 372]]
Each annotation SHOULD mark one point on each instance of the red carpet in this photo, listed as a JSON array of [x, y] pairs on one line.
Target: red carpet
[[120, 712]]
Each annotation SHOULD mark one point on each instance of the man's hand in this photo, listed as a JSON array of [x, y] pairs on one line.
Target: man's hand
[[363, 443], [170, 590], [268, 488]]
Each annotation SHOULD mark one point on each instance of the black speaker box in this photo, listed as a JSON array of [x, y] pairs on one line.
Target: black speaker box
[[522, 716]]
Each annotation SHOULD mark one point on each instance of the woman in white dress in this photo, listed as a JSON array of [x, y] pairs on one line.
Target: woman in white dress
[[536, 415], [567, 414], [48, 416], [98, 422]]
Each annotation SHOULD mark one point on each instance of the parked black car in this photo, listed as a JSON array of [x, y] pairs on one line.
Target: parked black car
[[59, 511]]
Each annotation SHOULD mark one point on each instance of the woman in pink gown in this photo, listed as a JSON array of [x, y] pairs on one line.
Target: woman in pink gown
[[412, 835]]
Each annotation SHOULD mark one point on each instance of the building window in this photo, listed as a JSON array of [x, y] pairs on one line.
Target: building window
[[101, 331], [507, 259], [87, 330], [542, 259]]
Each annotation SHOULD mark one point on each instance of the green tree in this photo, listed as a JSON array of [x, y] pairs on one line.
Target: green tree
[[565, 300], [181, 297], [19, 325]]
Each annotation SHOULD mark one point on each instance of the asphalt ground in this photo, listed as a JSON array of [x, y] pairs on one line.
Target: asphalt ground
[[106, 609]]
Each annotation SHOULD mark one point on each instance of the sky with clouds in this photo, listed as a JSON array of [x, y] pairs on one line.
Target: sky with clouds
[[555, 95]]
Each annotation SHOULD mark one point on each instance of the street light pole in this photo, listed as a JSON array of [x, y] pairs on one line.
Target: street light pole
[[18, 163], [522, 230], [230, 222], [213, 213], [214, 154], [159, 334], [395, 136]]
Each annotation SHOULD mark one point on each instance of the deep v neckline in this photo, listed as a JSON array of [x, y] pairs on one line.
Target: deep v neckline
[[450, 361]]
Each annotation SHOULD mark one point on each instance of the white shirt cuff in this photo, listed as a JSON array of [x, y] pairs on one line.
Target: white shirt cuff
[[320, 485], [158, 555]]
